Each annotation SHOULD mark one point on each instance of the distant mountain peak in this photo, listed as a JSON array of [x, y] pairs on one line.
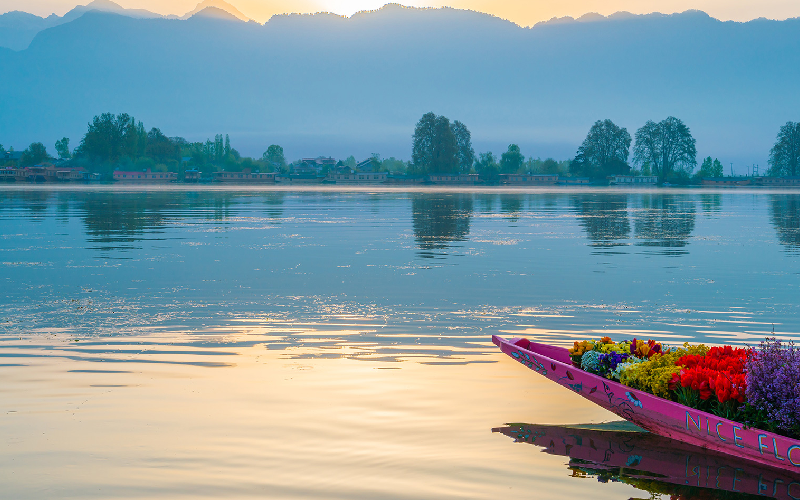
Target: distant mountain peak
[[104, 5], [107, 6], [215, 6]]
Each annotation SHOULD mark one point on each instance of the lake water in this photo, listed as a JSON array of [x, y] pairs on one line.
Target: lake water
[[201, 343]]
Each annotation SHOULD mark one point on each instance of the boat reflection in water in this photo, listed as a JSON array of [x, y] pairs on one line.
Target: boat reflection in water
[[619, 452]]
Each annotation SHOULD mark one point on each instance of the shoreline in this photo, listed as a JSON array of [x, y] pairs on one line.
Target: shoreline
[[139, 188]]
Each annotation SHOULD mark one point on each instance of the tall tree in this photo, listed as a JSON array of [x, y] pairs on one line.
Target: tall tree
[[227, 145], [35, 154], [62, 148], [422, 146], [784, 157], [487, 167], [604, 151], [466, 155], [445, 149], [434, 147], [667, 147], [511, 161], [274, 156], [219, 147]]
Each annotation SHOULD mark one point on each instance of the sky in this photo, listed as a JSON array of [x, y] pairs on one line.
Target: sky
[[522, 12]]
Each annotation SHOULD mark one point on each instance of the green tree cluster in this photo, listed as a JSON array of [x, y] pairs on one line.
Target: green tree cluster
[[512, 160], [62, 149], [604, 152], [110, 138], [666, 147], [441, 147], [709, 168], [276, 160], [35, 154], [784, 157]]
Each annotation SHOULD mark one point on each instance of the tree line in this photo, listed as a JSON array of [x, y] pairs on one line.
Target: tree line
[[665, 149]]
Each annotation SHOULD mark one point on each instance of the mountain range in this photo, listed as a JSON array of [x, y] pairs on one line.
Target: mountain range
[[17, 29], [325, 84]]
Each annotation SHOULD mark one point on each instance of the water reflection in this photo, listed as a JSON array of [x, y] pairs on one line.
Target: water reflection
[[604, 217], [785, 216], [117, 221], [511, 206], [654, 464], [439, 221], [711, 203], [665, 222]]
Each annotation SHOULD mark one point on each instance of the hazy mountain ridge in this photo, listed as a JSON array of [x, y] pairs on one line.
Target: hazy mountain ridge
[[17, 28], [324, 84]]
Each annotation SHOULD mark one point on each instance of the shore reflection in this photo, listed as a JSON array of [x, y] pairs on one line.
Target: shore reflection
[[617, 452], [440, 220], [785, 216], [665, 222], [604, 218]]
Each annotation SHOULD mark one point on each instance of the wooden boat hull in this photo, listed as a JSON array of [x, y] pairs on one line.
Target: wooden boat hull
[[655, 414]]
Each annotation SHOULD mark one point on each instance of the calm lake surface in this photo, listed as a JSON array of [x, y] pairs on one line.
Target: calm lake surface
[[200, 343]]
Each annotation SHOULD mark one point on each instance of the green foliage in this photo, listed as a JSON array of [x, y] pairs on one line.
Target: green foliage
[[350, 162], [392, 164], [111, 137], [604, 152], [465, 154], [160, 147], [709, 168], [784, 157], [666, 146], [62, 148], [436, 149], [487, 167], [511, 161], [35, 154], [275, 159]]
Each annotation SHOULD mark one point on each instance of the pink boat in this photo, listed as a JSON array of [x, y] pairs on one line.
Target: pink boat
[[653, 463], [655, 414]]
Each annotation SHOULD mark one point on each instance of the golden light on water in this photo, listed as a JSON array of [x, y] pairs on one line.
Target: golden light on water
[[155, 421]]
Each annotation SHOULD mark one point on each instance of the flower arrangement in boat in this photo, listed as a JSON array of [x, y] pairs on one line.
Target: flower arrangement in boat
[[758, 386]]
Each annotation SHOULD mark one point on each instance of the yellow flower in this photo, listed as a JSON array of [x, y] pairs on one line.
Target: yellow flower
[[654, 374]]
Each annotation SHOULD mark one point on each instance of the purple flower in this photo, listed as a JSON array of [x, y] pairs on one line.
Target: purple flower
[[773, 383], [609, 361]]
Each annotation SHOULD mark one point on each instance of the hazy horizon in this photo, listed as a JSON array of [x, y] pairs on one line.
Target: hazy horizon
[[521, 13]]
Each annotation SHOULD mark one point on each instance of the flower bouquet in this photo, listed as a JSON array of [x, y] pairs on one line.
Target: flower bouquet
[[757, 386]]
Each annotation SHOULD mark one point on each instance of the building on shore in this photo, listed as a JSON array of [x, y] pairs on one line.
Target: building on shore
[[314, 165], [192, 176], [244, 177], [144, 177], [633, 180], [8, 174], [357, 178], [575, 181], [727, 181], [299, 178], [777, 181], [405, 180], [529, 179], [454, 179], [44, 173]]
